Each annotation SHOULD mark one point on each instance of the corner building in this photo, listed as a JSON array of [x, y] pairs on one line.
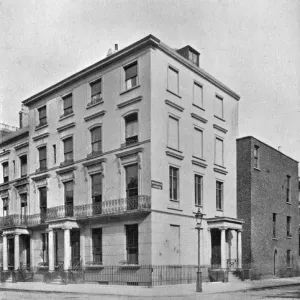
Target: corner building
[[267, 197], [120, 157]]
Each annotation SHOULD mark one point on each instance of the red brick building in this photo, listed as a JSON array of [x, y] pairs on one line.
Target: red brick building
[[267, 200]]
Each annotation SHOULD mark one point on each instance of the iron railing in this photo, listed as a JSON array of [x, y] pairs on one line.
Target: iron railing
[[141, 275], [108, 207]]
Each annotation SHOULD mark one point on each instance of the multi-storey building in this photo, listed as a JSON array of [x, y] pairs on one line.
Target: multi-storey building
[[120, 157], [267, 196]]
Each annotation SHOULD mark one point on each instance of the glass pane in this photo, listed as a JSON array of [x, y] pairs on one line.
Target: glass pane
[[68, 101], [96, 87], [96, 184], [132, 176], [68, 145], [96, 134], [42, 153], [131, 71], [43, 197], [42, 112]]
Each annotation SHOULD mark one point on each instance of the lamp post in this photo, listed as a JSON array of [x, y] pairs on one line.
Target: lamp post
[[199, 216]]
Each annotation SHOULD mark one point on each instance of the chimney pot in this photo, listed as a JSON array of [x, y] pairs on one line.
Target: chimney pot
[[116, 47]]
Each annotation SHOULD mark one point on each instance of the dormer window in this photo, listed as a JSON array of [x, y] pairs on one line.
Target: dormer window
[[193, 57]]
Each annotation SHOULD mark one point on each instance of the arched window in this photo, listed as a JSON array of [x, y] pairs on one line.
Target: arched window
[[131, 129]]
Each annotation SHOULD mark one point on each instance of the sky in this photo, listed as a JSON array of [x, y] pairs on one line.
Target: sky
[[251, 46]]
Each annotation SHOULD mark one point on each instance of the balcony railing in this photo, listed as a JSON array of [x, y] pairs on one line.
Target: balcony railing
[[108, 207]]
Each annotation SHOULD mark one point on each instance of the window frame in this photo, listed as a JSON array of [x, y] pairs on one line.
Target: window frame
[[222, 154], [219, 98], [196, 128], [171, 183], [5, 178], [136, 77], [5, 206], [43, 204], [44, 122], [288, 226], [178, 132], [64, 140], [129, 229], [25, 211], [274, 222], [288, 189], [94, 252], [256, 156], [288, 258], [168, 82], [136, 188], [196, 103], [220, 193], [197, 184], [42, 168], [69, 109], [99, 142], [134, 138], [21, 157], [97, 99]]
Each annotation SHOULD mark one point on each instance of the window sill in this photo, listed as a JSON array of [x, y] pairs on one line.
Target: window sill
[[174, 94], [289, 203], [173, 200], [40, 127], [221, 210], [257, 169], [90, 104], [127, 91], [198, 106], [275, 239], [130, 266], [289, 237], [219, 118], [289, 267], [63, 117]]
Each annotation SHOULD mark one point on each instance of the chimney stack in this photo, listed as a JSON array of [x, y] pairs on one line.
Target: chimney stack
[[116, 47]]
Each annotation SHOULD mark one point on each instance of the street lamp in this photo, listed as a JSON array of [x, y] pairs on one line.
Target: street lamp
[[199, 216]]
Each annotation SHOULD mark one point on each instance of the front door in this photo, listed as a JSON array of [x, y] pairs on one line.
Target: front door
[[215, 248], [26, 240], [75, 248], [10, 253]]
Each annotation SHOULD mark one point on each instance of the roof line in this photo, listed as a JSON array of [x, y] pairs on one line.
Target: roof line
[[252, 137], [149, 40]]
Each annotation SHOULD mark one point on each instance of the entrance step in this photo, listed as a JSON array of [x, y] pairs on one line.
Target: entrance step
[[57, 280], [232, 277], [38, 277]]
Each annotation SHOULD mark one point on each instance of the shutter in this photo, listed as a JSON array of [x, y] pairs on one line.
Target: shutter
[[173, 133], [131, 71]]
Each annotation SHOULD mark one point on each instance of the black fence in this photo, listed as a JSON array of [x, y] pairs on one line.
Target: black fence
[[136, 275]]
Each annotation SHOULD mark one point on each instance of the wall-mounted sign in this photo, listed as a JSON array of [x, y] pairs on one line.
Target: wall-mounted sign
[[156, 184]]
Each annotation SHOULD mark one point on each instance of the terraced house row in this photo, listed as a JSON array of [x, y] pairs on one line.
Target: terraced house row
[[110, 165]]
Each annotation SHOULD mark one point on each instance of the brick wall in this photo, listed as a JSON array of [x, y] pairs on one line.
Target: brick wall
[[267, 186]]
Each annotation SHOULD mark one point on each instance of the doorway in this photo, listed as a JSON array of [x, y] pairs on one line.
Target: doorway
[[11, 253], [275, 260], [75, 248], [215, 248]]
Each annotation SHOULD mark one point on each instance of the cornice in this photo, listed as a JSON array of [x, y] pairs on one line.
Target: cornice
[[199, 163], [129, 102], [65, 127], [5, 152], [22, 145], [94, 116], [66, 170], [175, 155], [129, 152], [93, 162], [41, 136], [199, 118], [221, 171], [148, 41], [174, 105], [220, 128]]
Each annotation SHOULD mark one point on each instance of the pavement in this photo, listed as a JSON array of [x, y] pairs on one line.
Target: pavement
[[169, 291]]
